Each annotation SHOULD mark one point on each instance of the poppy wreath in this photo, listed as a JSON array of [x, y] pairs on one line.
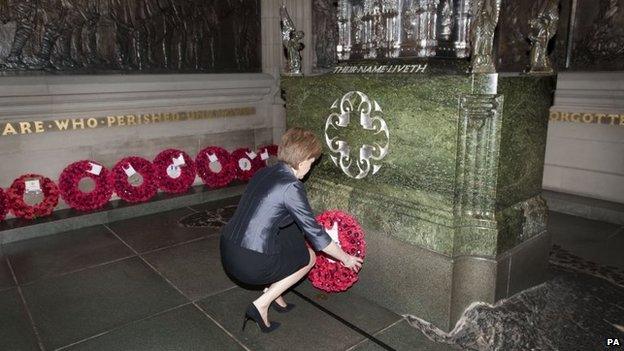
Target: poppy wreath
[[17, 205], [76, 198], [247, 163], [4, 204], [172, 178], [126, 168], [224, 168], [327, 274], [266, 152]]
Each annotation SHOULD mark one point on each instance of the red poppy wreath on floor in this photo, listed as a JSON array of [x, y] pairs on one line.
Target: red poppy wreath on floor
[[175, 171], [215, 166], [267, 153], [78, 199], [35, 183], [327, 274], [134, 179], [4, 204], [247, 163]]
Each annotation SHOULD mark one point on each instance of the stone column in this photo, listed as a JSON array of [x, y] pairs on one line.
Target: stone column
[[273, 58], [478, 145]]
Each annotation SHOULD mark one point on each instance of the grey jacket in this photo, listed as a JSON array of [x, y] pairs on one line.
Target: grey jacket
[[273, 198]]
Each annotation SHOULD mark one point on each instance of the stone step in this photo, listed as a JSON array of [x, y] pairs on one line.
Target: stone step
[[576, 205], [17, 229]]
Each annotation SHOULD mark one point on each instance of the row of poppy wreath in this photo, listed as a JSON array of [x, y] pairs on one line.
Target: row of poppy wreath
[[133, 179]]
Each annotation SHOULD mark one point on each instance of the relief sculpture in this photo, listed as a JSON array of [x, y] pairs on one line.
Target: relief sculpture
[[325, 36], [129, 35], [543, 29], [482, 36], [388, 29], [292, 42], [598, 35]]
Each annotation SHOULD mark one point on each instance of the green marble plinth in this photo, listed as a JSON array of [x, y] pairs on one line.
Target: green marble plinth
[[463, 172], [415, 192]]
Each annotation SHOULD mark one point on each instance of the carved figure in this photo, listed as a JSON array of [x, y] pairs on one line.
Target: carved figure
[[446, 21], [605, 39], [356, 25], [482, 36], [4, 12], [291, 39], [121, 14], [24, 16], [325, 33], [543, 28], [411, 18]]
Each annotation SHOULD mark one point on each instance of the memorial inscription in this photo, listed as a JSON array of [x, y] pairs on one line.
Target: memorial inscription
[[420, 68], [612, 119], [11, 128]]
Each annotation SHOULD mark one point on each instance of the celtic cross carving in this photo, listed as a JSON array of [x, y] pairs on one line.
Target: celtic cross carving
[[373, 135]]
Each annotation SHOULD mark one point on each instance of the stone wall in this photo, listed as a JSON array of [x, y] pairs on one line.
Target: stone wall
[[46, 98], [587, 159]]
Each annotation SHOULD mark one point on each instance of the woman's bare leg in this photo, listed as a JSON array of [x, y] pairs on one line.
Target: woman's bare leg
[[277, 289], [280, 300]]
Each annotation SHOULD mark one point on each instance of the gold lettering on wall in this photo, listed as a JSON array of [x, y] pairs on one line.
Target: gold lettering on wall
[[587, 118], [69, 124]]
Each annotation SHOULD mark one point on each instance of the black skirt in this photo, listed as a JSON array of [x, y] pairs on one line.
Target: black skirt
[[255, 268]]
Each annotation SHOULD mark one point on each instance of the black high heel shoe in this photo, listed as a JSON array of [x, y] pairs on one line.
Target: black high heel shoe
[[253, 313], [280, 309]]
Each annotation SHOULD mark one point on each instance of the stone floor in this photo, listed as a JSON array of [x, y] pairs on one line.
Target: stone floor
[[156, 283]]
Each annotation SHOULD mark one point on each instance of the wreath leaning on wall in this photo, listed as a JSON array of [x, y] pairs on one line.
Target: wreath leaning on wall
[[247, 163], [78, 199], [125, 177], [215, 166], [4, 204], [15, 196], [268, 154], [175, 171]]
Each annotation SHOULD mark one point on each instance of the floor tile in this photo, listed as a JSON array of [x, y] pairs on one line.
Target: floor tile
[[184, 328], [78, 305], [304, 328], [403, 337], [595, 241], [16, 333], [158, 230], [351, 307], [608, 252], [195, 268], [54, 254], [217, 204], [6, 278], [209, 218]]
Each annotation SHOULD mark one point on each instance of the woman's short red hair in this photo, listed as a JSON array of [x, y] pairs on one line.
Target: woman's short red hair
[[297, 146]]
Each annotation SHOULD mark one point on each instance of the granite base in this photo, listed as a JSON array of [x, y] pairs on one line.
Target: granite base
[[408, 279]]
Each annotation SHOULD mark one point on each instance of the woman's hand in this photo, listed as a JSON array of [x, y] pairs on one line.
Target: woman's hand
[[353, 262]]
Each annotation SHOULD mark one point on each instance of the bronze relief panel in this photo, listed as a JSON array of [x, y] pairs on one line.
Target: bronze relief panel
[[82, 36]]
